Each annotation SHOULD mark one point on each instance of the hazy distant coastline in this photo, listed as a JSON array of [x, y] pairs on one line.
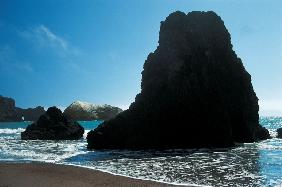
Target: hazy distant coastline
[[77, 111]]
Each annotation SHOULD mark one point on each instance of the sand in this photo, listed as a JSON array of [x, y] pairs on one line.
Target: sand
[[52, 175]]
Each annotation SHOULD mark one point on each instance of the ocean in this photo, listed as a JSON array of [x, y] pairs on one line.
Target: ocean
[[253, 164]]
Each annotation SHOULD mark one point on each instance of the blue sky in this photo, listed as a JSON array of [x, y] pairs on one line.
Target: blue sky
[[56, 52]]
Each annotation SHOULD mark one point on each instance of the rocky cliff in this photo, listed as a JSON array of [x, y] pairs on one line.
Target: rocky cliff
[[30, 114], [195, 93], [82, 111], [9, 112]]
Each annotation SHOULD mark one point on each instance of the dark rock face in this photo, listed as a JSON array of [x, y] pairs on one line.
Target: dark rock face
[[7, 110], [262, 133], [82, 111], [279, 133], [30, 114], [195, 93], [53, 125]]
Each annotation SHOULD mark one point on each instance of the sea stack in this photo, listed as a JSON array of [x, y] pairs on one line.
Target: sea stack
[[195, 93], [279, 133], [53, 125]]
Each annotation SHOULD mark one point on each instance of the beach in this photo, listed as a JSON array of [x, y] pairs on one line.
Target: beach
[[46, 175]]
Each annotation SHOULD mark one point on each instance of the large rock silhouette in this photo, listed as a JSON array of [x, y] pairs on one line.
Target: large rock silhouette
[[195, 93], [53, 125]]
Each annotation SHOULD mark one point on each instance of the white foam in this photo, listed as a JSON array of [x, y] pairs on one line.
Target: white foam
[[140, 178], [273, 133], [11, 131], [85, 133]]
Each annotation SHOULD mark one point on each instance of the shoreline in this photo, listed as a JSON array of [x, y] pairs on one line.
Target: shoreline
[[48, 174]]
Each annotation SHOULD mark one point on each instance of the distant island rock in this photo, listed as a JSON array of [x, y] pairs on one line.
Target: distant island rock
[[53, 125], [195, 93], [83, 111], [10, 113], [279, 133]]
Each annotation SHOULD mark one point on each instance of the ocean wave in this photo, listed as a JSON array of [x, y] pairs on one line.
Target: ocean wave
[[11, 131], [19, 130], [85, 133], [37, 150], [141, 178], [273, 133]]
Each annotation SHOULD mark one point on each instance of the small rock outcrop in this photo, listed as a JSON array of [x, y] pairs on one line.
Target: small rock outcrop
[[279, 133], [53, 125], [195, 93], [82, 111], [8, 110]]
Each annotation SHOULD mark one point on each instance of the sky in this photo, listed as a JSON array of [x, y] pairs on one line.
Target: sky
[[55, 52]]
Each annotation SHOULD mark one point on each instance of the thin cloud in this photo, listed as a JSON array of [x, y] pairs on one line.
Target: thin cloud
[[43, 41], [42, 37], [46, 35]]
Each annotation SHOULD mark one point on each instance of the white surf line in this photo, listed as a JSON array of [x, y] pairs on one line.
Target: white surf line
[[105, 171]]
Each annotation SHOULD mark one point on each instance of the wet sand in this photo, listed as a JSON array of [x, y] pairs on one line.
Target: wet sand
[[52, 175]]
